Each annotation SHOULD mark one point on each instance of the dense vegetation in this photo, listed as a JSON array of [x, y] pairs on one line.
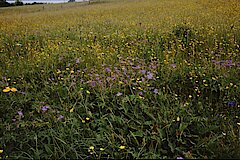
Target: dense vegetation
[[120, 79]]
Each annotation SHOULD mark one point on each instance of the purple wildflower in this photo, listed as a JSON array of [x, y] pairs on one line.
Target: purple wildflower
[[150, 75], [232, 103], [173, 65], [45, 108], [108, 69], [77, 61], [155, 91], [119, 94], [180, 158], [143, 71], [154, 67], [60, 117], [20, 113]]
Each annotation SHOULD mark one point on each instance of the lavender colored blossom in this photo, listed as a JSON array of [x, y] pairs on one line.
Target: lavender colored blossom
[[143, 71], [173, 65], [61, 117], [155, 91], [20, 113], [232, 104], [77, 61], [119, 94], [150, 75], [45, 108], [180, 158], [108, 70]]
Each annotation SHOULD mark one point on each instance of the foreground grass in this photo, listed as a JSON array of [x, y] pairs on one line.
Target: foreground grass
[[120, 79]]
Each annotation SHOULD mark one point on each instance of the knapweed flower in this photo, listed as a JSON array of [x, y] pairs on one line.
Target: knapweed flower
[[20, 113], [60, 117], [119, 94], [122, 147], [45, 108], [150, 75], [173, 65], [232, 104], [155, 91], [180, 158]]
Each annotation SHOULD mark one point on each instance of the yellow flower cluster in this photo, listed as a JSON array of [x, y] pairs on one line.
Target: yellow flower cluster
[[8, 89]]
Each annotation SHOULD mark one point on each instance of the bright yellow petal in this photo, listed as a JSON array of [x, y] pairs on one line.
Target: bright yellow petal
[[6, 90], [13, 89], [238, 124], [122, 147], [71, 110], [178, 119], [1, 151]]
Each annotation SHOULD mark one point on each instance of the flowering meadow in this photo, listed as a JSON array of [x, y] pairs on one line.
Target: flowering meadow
[[120, 79]]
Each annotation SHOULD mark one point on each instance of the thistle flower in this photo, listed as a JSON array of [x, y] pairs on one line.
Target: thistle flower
[[45, 108], [119, 94]]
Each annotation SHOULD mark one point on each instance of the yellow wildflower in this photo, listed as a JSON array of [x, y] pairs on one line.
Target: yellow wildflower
[[7, 89], [13, 89], [91, 147], [238, 124], [101, 149], [1, 151], [87, 119], [87, 92], [122, 147], [71, 110], [178, 119]]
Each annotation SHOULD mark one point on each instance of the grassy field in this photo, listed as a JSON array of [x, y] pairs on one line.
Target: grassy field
[[120, 79]]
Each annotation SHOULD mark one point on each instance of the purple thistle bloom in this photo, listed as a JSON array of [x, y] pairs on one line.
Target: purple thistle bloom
[[155, 91], [180, 158], [143, 71], [232, 104], [77, 61], [119, 94], [20, 113], [150, 75], [108, 69], [154, 67], [173, 65], [45, 108], [60, 117], [140, 93]]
